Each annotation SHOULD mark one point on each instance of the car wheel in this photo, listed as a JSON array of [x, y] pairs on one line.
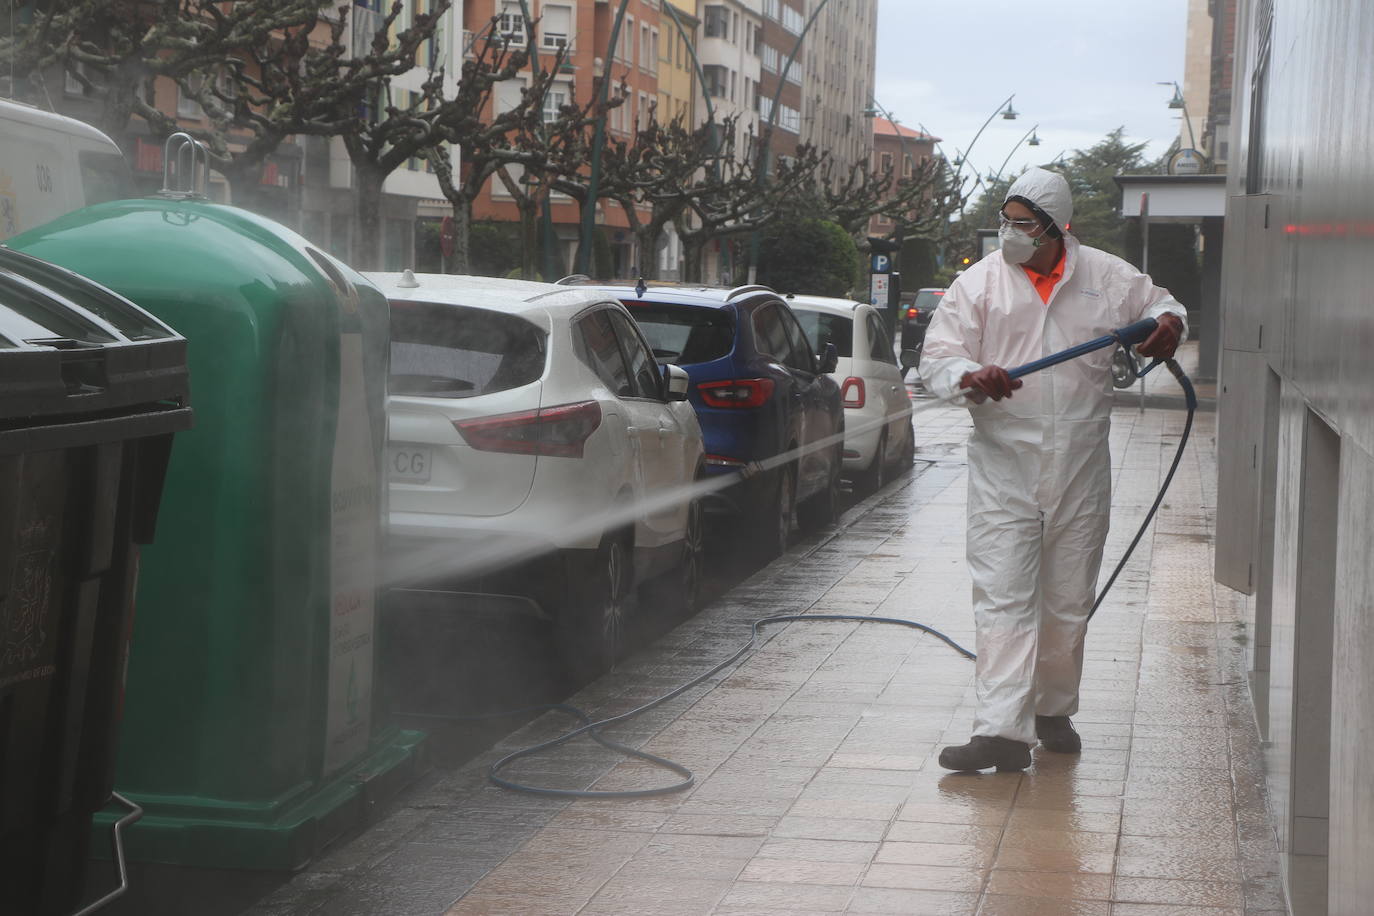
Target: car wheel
[[823, 508], [679, 589], [872, 478], [593, 626], [770, 530], [908, 453]]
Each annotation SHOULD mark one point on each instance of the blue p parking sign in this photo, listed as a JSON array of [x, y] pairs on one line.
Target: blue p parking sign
[[882, 264]]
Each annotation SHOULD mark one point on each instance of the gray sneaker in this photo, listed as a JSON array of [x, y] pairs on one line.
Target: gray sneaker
[[983, 751], [1056, 733]]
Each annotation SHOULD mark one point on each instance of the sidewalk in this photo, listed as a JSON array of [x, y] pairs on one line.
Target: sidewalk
[[817, 788]]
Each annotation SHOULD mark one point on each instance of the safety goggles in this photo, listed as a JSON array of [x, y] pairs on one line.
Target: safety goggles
[[1025, 225]]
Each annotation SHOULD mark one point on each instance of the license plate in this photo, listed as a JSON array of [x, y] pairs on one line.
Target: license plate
[[409, 464]]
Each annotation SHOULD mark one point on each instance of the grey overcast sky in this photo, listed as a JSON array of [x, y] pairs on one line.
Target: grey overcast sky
[[1079, 68]]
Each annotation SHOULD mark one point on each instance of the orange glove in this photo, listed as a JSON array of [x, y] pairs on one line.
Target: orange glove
[[1164, 341], [989, 382]]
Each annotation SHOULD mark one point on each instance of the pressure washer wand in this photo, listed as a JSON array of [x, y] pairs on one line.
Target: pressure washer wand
[[1131, 334]]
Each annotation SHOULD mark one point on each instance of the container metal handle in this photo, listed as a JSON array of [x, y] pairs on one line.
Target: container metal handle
[[135, 813], [179, 155]]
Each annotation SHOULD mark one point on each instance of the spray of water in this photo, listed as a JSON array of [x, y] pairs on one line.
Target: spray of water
[[464, 558]]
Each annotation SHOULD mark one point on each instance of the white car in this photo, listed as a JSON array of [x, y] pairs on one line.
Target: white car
[[532, 431], [878, 435]]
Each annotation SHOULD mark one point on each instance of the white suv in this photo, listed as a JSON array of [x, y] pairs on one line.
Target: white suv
[[532, 430], [878, 435]]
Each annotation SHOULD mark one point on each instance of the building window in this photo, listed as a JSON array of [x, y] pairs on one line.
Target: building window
[[717, 80], [789, 119], [510, 22], [770, 58], [187, 106], [772, 9], [647, 54], [717, 22], [506, 96], [792, 20], [556, 25], [554, 99], [626, 41]]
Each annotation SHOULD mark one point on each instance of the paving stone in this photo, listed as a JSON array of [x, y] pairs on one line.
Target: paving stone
[[816, 789]]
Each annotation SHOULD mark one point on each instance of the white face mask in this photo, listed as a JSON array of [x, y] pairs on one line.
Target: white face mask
[[1017, 247]]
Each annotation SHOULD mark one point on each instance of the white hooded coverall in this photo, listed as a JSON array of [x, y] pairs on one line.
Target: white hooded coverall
[[1039, 484]]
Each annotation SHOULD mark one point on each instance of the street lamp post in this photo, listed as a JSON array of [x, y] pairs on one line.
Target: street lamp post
[[1178, 102], [1029, 138], [1007, 112]]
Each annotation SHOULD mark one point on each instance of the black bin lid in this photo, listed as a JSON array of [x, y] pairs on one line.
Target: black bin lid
[[71, 346]]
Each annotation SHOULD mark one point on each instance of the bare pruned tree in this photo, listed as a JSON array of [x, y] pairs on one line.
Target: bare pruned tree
[[920, 203], [736, 200], [655, 176]]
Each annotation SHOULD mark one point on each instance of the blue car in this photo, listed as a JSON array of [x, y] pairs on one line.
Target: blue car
[[769, 413]]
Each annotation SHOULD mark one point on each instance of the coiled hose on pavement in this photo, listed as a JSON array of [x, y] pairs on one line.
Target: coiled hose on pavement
[[592, 728]]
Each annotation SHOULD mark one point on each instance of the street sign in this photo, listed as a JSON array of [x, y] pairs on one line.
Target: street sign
[[881, 264], [1187, 162], [877, 293], [448, 234]]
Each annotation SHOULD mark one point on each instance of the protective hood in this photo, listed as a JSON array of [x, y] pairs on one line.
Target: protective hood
[[1048, 191]]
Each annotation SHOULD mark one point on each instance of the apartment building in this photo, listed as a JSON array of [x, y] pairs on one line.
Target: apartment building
[[900, 150], [839, 73], [729, 49], [580, 29], [677, 76], [780, 84]]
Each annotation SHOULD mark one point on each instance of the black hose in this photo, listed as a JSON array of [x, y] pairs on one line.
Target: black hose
[[1191, 398], [592, 728]]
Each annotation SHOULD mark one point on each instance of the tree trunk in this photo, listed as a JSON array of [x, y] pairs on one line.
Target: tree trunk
[[693, 247], [367, 222], [124, 83], [462, 237], [529, 236], [647, 237], [244, 185]]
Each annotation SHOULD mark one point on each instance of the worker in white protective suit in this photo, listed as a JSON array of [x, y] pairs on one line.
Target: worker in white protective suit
[[1039, 484]]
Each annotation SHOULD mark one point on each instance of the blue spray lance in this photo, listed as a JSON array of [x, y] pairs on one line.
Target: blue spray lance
[[1128, 336], [1125, 337]]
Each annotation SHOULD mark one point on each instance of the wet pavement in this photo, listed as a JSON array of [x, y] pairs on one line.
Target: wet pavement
[[817, 789]]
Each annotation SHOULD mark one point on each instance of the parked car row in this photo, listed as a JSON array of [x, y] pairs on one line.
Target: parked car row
[[570, 432]]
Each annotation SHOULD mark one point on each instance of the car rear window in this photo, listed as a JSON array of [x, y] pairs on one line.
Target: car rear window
[[452, 351], [822, 328], [927, 299], [685, 334], [104, 177]]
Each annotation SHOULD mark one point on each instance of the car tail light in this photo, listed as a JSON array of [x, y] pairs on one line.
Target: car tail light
[[852, 392], [558, 432], [739, 392], [911, 313]]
